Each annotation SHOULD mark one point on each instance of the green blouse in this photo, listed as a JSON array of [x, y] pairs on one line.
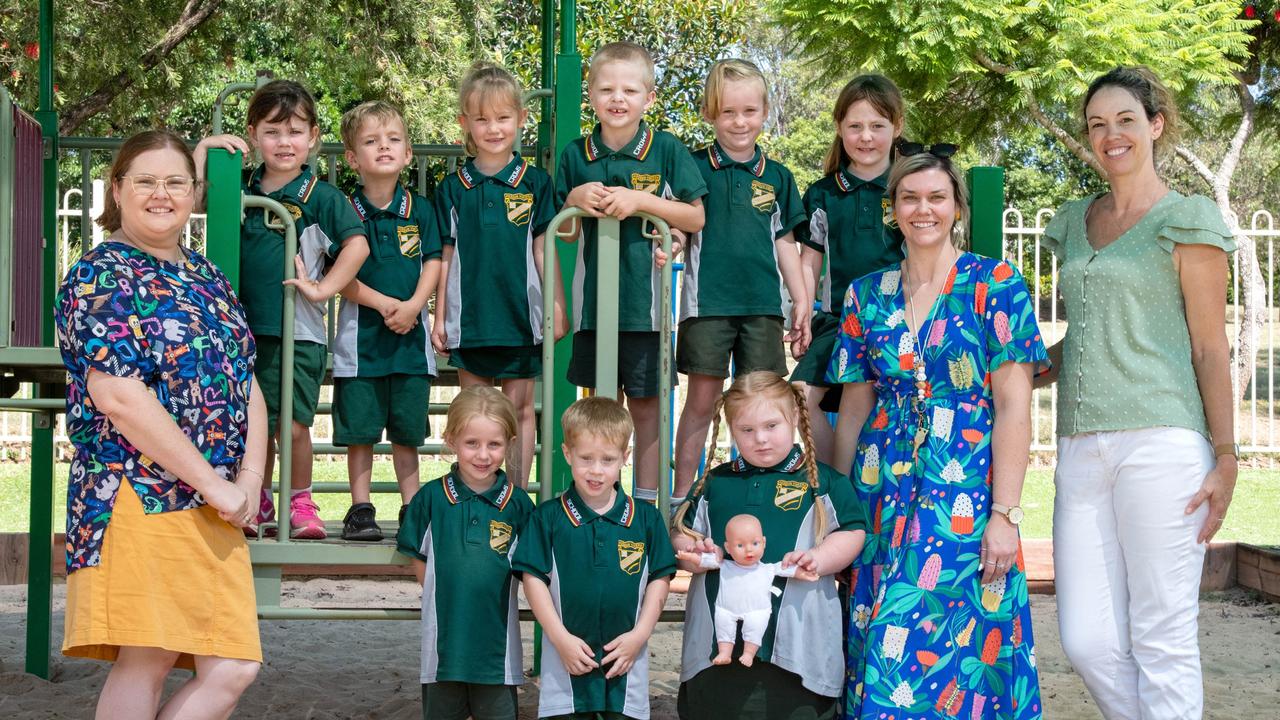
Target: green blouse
[[1128, 327]]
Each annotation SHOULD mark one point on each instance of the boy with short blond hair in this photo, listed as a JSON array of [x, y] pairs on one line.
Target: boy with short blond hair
[[621, 168], [383, 362], [596, 568]]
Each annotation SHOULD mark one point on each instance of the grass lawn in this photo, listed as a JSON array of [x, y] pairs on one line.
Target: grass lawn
[[1250, 519]]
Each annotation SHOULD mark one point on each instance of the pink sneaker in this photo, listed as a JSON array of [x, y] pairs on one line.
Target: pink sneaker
[[266, 514], [304, 518]]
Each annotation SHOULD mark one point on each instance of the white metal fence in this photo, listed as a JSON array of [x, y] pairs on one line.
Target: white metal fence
[[1255, 416], [1256, 423]]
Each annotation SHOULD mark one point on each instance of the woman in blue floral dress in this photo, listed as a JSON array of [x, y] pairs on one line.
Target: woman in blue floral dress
[[934, 350]]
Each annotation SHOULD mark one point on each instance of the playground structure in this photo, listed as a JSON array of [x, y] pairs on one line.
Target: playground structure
[[30, 150]]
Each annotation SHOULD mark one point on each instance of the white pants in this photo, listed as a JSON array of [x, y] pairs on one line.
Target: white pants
[[1127, 568], [754, 623]]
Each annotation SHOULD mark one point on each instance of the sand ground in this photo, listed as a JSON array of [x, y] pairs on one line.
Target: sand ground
[[340, 670]]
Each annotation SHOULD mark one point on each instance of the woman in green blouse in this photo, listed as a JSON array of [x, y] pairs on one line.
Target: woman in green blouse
[[1146, 448]]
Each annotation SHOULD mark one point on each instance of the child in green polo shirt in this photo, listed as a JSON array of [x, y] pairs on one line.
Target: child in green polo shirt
[[460, 531], [621, 168], [812, 518], [847, 227], [283, 129], [382, 357], [492, 214], [596, 566], [742, 270]]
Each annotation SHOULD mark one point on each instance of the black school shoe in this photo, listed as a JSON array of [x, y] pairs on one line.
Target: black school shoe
[[359, 524]]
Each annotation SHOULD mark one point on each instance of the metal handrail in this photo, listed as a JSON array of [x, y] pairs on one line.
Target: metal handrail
[[608, 237], [284, 443]]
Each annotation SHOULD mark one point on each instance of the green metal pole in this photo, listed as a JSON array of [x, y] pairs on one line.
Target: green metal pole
[[223, 205], [546, 117], [40, 547], [986, 202]]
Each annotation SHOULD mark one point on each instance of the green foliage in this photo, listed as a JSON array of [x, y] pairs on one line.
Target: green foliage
[[986, 56], [344, 51], [802, 148]]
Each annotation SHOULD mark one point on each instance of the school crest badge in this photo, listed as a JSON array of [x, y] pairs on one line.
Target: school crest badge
[[499, 536], [886, 211], [630, 556], [789, 494], [646, 183], [519, 207], [410, 240], [762, 196], [294, 210]]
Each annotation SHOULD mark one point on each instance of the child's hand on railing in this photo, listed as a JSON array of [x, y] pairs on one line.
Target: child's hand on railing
[[622, 203], [306, 287], [588, 197]]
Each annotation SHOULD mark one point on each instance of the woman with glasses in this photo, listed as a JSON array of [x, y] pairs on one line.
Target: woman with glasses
[[1146, 445], [167, 424], [936, 355]]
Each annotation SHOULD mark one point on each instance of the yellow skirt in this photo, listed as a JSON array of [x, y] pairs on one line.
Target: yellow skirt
[[177, 580]]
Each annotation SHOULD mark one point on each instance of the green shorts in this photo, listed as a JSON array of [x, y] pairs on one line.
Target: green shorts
[[364, 407], [499, 363], [763, 691], [812, 368], [639, 363], [308, 372], [753, 341], [459, 701]]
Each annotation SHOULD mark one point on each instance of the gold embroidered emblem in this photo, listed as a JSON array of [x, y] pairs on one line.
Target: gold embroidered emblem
[[646, 183], [499, 536], [410, 240], [294, 210], [762, 196], [519, 207], [886, 211], [789, 494], [630, 555]]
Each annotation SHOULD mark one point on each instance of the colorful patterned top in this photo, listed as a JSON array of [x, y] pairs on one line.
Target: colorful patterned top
[[180, 330], [1126, 362], [926, 639]]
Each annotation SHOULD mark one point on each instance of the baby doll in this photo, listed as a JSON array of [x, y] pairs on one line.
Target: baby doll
[[745, 587]]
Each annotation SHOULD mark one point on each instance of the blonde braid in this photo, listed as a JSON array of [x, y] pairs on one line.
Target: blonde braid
[[810, 466], [677, 522]]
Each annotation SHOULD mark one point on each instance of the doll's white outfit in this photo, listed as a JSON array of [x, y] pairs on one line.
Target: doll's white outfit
[[744, 596]]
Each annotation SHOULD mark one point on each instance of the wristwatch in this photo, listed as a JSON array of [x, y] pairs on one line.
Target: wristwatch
[[1014, 513], [1231, 449]]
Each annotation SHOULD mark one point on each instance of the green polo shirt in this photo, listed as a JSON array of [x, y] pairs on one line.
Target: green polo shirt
[[402, 238], [597, 567], [470, 621], [804, 632], [654, 161], [323, 218], [731, 267], [846, 222], [494, 294]]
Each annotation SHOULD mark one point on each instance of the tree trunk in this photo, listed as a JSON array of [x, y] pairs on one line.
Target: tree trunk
[[1252, 299], [194, 13]]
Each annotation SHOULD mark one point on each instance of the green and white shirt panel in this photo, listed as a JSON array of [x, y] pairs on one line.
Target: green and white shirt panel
[[597, 568], [402, 238], [847, 222], [494, 294], [731, 267], [655, 162], [323, 219], [470, 615], [804, 633]]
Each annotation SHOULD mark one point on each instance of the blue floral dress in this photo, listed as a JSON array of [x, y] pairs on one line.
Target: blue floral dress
[[926, 639]]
